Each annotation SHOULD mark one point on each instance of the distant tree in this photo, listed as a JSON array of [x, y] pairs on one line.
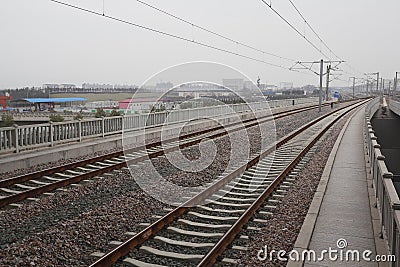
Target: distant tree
[[7, 119], [78, 116], [56, 118], [161, 108], [100, 113], [115, 113]]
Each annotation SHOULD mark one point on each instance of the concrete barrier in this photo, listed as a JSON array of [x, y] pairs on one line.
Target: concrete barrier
[[394, 105], [388, 202]]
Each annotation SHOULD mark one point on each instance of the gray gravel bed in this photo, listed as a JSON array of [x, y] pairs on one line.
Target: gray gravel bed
[[281, 230], [64, 229], [187, 238], [67, 227]]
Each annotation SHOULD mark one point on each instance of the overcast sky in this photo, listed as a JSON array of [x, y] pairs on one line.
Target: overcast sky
[[44, 42]]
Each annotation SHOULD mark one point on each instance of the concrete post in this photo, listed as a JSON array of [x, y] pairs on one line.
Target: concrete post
[[122, 123], [15, 138], [102, 126], [80, 130], [51, 134]]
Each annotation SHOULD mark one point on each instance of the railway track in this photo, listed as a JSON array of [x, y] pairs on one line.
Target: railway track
[[31, 185], [197, 234]]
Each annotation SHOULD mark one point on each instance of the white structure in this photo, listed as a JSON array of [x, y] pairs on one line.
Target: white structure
[[286, 85], [144, 104], [197, 90], [97, 86], [163, 86], [249, 85], [233, 84], [58, 86], [50, 86], [67, 86], [102, 104]]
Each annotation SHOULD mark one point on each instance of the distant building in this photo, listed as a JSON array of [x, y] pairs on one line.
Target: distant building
[[67, 86], [233, 84], [58, 86], [50, 86], [197, 90], [144, 104], [102, 104], [309, 88], [249, 85], [97, 86], [271, 87], [124, 86], [286, 85], [164, 86]]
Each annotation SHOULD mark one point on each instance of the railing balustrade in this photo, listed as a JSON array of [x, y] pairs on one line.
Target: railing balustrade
[[388, 202], [48, 134]]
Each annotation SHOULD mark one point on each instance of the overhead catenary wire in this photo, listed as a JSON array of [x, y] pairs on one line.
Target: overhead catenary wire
[[212, 32], [304, 36], [168, 34], [319, 37], [295, 29], [312, 29], [175, 36]]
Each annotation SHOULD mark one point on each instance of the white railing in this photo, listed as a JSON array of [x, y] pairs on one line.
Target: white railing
[[48, 134], [388, 202]]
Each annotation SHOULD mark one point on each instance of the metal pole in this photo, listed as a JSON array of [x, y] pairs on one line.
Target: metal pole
[[321, 74], [395, 84], [363, 87], [367, 86], [354, 84], [328, 69], [377, 83]]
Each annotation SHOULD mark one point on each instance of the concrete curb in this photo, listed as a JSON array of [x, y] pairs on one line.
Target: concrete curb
[[304, 238]]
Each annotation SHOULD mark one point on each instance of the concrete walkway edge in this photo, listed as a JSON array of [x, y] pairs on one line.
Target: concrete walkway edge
[[304, 237]]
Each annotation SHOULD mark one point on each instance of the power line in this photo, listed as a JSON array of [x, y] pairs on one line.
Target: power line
[[295, 29], [318, 36], [212, 32], [168, 34], [312, 29]]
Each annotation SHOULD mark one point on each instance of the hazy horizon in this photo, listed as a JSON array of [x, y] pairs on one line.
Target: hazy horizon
[[44, 42]]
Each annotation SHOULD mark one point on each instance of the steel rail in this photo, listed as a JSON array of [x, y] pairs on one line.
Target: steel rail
[[68, 166], [127, 246], [219, 131], [231, 234]]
